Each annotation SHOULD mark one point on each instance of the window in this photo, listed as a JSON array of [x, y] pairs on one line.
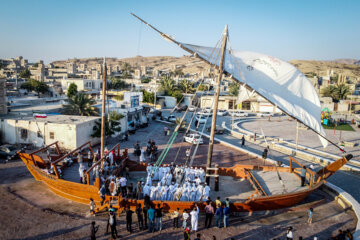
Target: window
[[52, 135], [24, 133], [39, 134]]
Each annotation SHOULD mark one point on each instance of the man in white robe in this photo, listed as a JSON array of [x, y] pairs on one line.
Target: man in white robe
[[178, 193], [165, 190], [193, 192], [153, 193], [184, 195], [194, 218], [206, 192], [168, 178], [158, 192], [199, 193], [146, 190], [202, 174]]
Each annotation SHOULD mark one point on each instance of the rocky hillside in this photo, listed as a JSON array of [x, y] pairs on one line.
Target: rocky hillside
[[193, 65], [321, 67]]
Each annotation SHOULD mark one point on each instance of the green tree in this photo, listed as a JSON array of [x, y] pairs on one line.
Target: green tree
[[167, 85], [35, 85], [25, 73], [342, 91], [117, 83], [148, 97], [112, 125], [186, 86], [146, 80], [2, 65], [126, 69], [178, 95], [178, 72], [234, 88], [81, 104], [72, 90], [182, 125], [119, 97], [337, 92], [203, 87]]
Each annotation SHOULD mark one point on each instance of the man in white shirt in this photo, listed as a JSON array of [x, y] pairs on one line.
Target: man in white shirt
[[123, 182], [185, 217]]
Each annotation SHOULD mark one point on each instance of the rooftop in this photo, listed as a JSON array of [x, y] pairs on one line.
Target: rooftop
[[64, 119]]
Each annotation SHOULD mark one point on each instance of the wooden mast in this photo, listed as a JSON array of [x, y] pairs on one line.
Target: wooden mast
[[213, 122], [103, 113]]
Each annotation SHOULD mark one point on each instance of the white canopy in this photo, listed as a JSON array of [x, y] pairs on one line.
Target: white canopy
[[276, 80]]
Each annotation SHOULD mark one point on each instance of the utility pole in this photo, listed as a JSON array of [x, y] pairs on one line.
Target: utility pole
[[155, 93], [103, 113], [213, 123]]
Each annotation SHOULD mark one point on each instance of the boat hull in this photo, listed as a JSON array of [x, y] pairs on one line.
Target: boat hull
[[82, 193]]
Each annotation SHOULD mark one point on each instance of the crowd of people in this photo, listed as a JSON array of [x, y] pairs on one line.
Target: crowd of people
[[176, 183]]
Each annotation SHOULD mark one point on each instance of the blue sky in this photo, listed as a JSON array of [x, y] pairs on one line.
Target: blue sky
[[55, 30]]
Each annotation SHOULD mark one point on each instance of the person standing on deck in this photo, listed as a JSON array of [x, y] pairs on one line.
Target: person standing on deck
[[92, 206], [139, 190], [243, 141], [265, 153], [303, 176], [112, 223], [111, 158], [195, 218], [226, 216], [123, 186], [90, 158], [187, 153], [142, 156]]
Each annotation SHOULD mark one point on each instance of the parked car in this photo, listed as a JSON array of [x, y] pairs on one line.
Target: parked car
[[7, 151], [192, 108], [201, 118], [218, 129], [265, 114], [171, 118], [180, 108], [238, 114], [222, 113], [193, 138]]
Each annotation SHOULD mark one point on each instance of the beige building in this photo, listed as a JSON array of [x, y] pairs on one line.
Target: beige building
[[70, 131]]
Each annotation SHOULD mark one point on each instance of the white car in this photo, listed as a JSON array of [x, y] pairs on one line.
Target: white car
[[201, 118], [238, 114], [241, 114], [222, 113], [193, 138], [171, 118], [265, 114], [192, 108]]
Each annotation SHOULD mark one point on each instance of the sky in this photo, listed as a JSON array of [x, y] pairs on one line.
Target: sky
[[297, 29]]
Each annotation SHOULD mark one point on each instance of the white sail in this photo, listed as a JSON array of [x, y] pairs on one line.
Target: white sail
[[276, 80]]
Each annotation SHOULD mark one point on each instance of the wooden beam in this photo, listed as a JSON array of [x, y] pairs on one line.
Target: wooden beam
[[43, 148], [69, 153]]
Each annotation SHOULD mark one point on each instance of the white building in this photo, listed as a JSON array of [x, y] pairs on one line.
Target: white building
[[82, 84], [70, 131]]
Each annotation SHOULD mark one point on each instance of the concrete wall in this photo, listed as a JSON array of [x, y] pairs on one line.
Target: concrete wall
[[83, 133]]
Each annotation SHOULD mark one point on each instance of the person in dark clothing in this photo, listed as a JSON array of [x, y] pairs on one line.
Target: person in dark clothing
[[243, 141], [93, 231], [129, 192], [139, 213], [147, 204], [112, 223], [159, 217], [129, 219], [219, 216], [303, 176], [341, 235], [265, 153], [198, 236]]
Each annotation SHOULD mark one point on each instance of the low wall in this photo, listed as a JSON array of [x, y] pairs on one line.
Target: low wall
[[345, 200]]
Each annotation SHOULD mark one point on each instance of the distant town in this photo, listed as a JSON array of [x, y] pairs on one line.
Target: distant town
[[60, 90]]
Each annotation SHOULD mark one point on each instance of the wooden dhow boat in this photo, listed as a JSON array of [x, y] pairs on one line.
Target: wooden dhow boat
[[39, 161]]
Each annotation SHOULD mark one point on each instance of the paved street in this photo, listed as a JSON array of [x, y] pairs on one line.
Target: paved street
[[342, 179]]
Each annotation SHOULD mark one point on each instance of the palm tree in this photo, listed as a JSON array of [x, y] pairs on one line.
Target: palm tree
[[337, 92], [182, 125], [126, 68], [342, 91], [81, 104], [186, 86], [167, 85]]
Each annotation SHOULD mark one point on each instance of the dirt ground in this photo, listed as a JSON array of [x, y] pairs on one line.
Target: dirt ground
[[29, 210]]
